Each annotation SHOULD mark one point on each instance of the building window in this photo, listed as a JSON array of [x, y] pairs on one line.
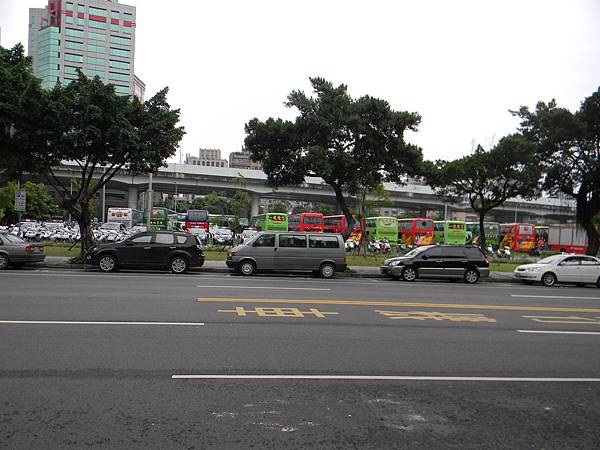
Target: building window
[[118, 76], [94, 73], [96, 24], [74, 33], [73, 58], [97, 11], [120, 40], [96, 48], [119, 52], [95, 61], [119, 64], [122, 90], [115, 15], [74, 45], [96, 36]]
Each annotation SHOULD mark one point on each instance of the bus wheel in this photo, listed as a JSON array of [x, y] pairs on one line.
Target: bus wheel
[[247, 268]]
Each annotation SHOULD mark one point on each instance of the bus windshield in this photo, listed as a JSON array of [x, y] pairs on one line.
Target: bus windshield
[[313, 220], [197, 215]]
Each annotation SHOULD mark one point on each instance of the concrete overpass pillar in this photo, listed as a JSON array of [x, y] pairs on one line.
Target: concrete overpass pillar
[[254, 205], [132, 198]]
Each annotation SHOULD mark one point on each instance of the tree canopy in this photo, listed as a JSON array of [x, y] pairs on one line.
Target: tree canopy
[[88, 123], [352, 144], [488, 178], [40, 204], [569, 154]]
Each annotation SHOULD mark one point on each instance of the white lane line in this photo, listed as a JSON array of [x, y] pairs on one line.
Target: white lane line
[[74, 322], [375, 378], [270, 288], [556, 297], [558, 332]]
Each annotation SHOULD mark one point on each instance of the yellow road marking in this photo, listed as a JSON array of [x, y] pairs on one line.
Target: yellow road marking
[[278, 312], [400, 304]]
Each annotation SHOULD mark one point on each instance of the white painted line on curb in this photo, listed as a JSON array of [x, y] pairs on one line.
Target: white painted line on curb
[[555, 297], [558, 332], [375, 378], [74, 322], [270, 288]]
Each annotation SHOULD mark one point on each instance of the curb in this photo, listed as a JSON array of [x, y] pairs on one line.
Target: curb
[[351, 274]]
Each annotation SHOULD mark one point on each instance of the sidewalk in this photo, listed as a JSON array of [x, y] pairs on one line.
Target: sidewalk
[[62, 262]]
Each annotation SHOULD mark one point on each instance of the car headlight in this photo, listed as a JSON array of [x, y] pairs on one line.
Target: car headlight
[[396, 263]]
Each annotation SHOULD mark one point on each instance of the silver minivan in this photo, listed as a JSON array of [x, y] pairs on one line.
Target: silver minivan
[[289, 251]]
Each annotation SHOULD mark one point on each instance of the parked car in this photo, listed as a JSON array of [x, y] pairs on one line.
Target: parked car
[[579, 269], [175, 251], [323, 253], [16, 252], [464, 262]]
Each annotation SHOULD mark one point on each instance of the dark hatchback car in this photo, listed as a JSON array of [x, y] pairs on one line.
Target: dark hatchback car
[[174, 251], [464, 262]]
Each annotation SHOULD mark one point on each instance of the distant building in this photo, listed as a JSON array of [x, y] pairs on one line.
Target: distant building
[[242, 160], [210, 157], [94, 36]]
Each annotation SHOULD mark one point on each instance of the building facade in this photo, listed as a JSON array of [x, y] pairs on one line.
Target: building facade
[[94, 36], [210, 157], [241, 160]]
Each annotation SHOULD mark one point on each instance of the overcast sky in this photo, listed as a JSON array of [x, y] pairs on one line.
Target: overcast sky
[[461, 65]]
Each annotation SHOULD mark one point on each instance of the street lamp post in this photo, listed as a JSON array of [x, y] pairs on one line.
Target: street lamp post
[[149, 199]]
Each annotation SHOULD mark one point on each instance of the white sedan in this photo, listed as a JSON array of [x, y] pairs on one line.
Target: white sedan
[[579, 269]]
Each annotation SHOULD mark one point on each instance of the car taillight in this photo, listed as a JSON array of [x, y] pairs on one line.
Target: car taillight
[[29, 249]]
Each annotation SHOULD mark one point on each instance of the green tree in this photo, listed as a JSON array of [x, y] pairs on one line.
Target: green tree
[[40, 204], [489, 178], [240, 203], [88, 123], [569, 153], [22, 109], [352, 144], [278, 207]]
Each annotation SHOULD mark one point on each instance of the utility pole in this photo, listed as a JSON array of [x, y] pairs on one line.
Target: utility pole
[[149, 199]]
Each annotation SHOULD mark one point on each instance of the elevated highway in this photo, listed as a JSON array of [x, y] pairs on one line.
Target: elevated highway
[[200, 180]]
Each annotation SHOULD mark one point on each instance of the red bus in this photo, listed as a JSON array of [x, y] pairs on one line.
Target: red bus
[[518, 237], [337, 224], [310, 221], [196, 218], [416, 232]]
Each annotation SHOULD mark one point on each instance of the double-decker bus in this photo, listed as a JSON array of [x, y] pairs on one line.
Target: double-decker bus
[[126, 216], [518, 237], [415, 232], [270, 222], [337, 224], [161, 219], [307, 221], [381, 228], [492, 234], [450, 232], [196, 218]]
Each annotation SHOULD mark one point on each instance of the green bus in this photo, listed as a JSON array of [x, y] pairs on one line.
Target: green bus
[[492, 234], [161, 219], [271, 222], [450, 232], [381, 228]]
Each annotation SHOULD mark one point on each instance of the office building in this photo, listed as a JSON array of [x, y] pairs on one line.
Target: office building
[[242, 160], [95, 36], [210, 157]]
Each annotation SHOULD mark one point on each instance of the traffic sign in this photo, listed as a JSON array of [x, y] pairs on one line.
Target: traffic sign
[[20, 201]]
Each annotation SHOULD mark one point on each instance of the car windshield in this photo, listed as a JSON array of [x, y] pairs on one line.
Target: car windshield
[[12, 239], [550, 259], [416, 251]]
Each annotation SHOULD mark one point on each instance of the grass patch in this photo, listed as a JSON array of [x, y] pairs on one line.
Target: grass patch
[[61, 250]]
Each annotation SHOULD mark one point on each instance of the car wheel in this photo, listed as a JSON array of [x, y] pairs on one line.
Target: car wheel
[[549, 279], [4, 262], [409, 274], [178, 264], [471, 276], [247, 268], [107, 263], [598, 283], [327, 270]]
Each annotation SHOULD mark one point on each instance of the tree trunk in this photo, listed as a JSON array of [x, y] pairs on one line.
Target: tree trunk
[[345, 210], [85, 230], [482, 239], [585, 217]]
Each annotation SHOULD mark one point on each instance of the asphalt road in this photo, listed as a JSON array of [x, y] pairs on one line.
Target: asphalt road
[[117, 360]]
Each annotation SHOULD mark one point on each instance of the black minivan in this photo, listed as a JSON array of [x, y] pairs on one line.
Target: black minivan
[[176, 251], [466, 262]]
